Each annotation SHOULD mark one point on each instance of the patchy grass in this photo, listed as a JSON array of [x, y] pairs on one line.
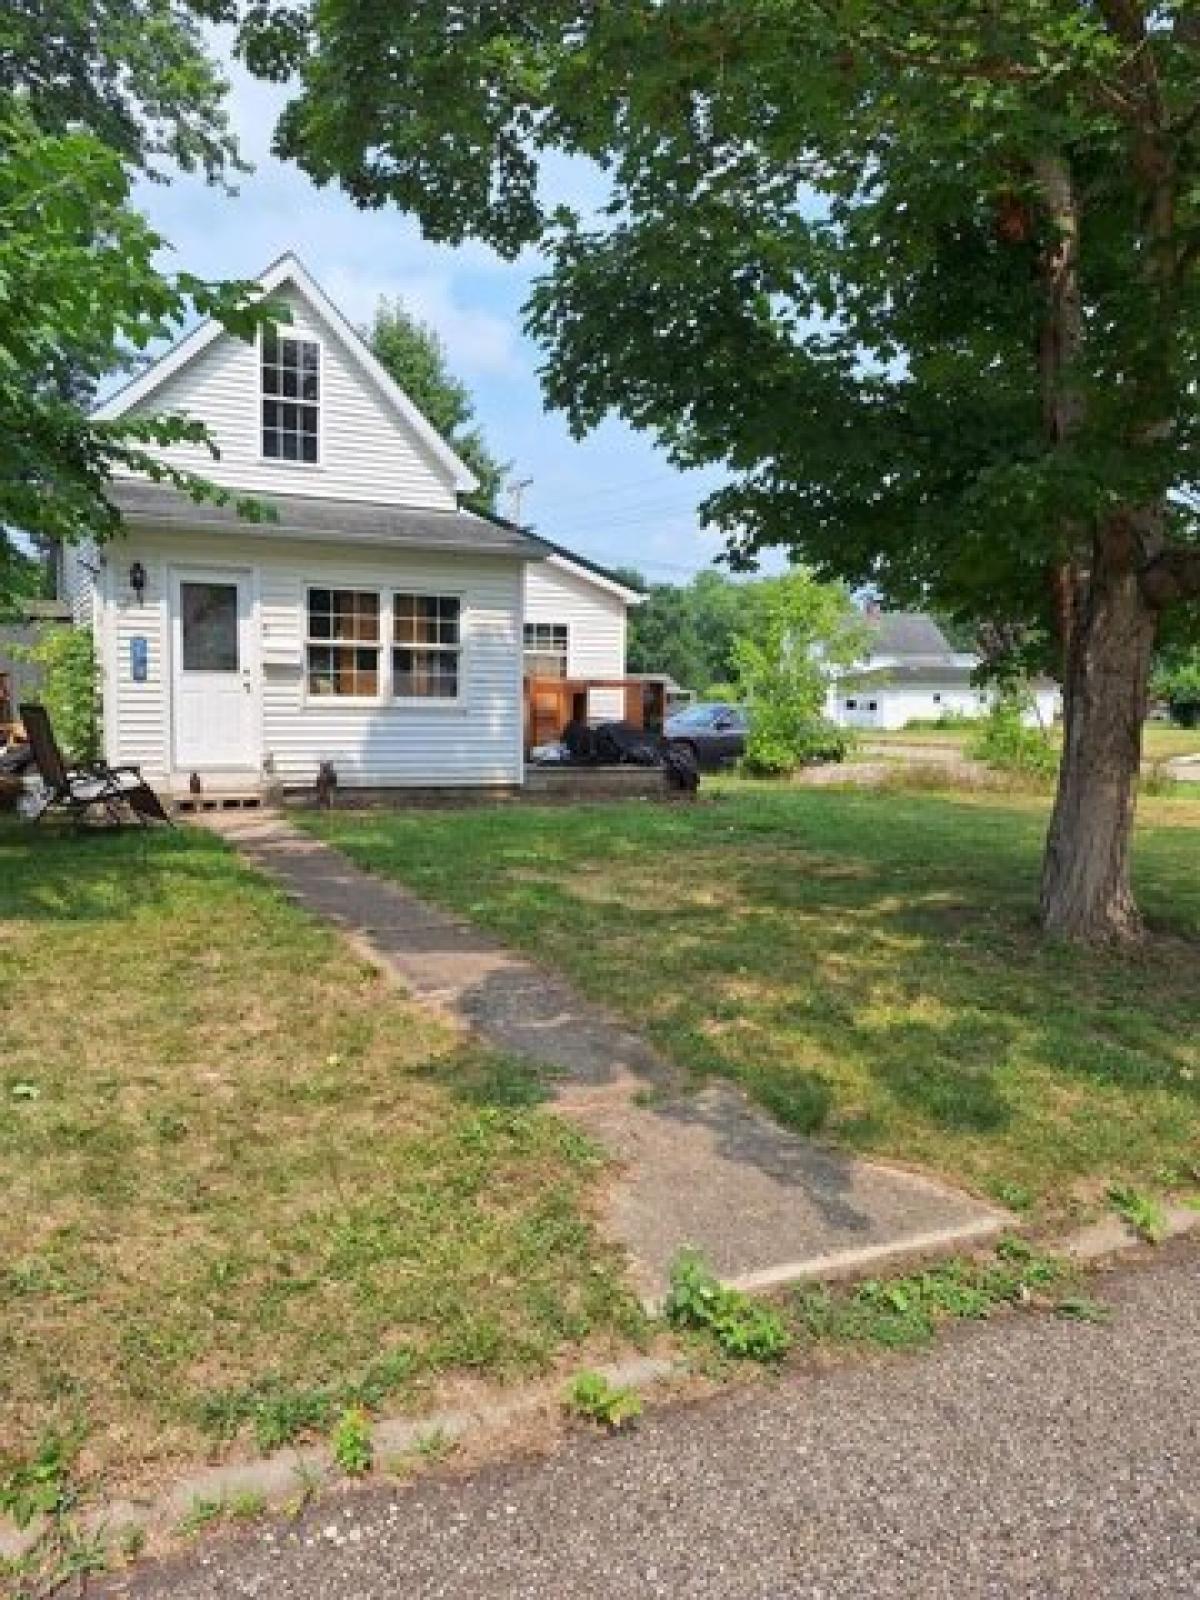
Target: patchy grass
[[1160, 741], [866, 963], [247, 1185]]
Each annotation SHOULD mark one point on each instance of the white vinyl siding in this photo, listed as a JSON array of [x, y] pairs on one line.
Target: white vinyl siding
[[895, 707], [135, 712], [473, 741], [367, 451], [595, 623]]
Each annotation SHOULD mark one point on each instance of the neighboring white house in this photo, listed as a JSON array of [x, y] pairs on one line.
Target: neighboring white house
[[913, 675], [374, 623]]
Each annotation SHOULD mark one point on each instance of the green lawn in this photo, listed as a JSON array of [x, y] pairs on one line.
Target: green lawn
[[244, 1182], [866, 963]]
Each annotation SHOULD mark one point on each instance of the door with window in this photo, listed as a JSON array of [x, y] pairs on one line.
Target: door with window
[[215, 708]]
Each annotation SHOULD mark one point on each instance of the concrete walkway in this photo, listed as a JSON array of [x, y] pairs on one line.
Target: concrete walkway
[[704, 1169]]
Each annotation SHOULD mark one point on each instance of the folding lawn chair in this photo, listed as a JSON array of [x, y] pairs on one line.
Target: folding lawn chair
[[115, 791]]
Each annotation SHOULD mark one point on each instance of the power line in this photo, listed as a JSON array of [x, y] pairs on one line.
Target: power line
[[628, 514]]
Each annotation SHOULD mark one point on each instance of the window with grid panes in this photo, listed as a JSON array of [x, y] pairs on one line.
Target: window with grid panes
[[344, 643], [426, 646], [546, 649], [291, 397]]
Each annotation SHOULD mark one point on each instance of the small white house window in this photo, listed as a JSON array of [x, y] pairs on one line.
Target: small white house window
[[344, 644], [291, 397], [546, 649], [426, 646], [937, 699], [872, 705], [851, 705]]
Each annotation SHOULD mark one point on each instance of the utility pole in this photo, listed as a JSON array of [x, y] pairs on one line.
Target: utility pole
[[516, 493]]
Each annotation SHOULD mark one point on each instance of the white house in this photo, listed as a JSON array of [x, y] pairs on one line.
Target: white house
[[374, 623], [912, 674]]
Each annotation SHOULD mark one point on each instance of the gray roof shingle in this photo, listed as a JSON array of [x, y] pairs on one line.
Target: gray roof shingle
[[307, 516], [907, 633]]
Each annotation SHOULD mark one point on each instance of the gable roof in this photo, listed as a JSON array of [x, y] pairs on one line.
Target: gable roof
[[306, 517], [908, 633], [589, 571], [290, 270]]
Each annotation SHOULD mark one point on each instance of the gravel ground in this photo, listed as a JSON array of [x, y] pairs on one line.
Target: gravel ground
[[1024, 1457]]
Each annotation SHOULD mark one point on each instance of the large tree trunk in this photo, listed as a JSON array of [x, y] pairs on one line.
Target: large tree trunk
[[1086, 892]]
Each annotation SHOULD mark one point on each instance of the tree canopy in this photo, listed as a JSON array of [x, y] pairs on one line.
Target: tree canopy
[[90, 91], [689, 630], [414, 355], [135, 73], [78, 278], [921, 275]]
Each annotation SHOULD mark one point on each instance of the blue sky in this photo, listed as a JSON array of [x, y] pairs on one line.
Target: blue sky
[[612, 497]]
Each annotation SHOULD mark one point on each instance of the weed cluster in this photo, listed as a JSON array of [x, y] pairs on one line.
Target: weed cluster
[[42, 1490], [904, 1313], [740, 1326], [1141, 1211], [590, 1395], [353, 1449]]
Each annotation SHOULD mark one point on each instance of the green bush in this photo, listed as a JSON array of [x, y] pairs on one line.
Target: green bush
[[70, 689], [804, 631], [1004, 740], [783, 737]]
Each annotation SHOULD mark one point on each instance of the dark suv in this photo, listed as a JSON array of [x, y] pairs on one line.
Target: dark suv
[[712, 731]]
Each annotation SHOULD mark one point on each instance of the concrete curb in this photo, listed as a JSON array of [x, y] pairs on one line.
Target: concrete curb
[[847, 1264], [281, 1479], [1111, 1235]]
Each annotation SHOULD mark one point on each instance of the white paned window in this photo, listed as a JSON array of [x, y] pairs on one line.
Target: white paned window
[[291, 397], [546, 649], [426, 646], [344, 643]]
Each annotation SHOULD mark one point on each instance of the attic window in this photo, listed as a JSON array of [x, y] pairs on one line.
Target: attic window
[[291, 397]]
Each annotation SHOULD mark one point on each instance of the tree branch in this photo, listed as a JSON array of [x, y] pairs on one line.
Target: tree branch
[[1171, 576]]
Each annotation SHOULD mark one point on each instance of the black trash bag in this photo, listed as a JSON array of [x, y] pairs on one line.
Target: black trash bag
[[580, 740], [680, 770], [621, 744]]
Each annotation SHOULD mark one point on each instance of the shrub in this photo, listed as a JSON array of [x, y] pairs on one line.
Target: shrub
[[804, 629], [1004, 740], [783, 737], [70, 689]]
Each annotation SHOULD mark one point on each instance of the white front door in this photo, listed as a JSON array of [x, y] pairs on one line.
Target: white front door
[[215, 701]]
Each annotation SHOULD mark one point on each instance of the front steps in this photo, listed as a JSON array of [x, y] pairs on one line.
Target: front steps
[[183, 805]]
